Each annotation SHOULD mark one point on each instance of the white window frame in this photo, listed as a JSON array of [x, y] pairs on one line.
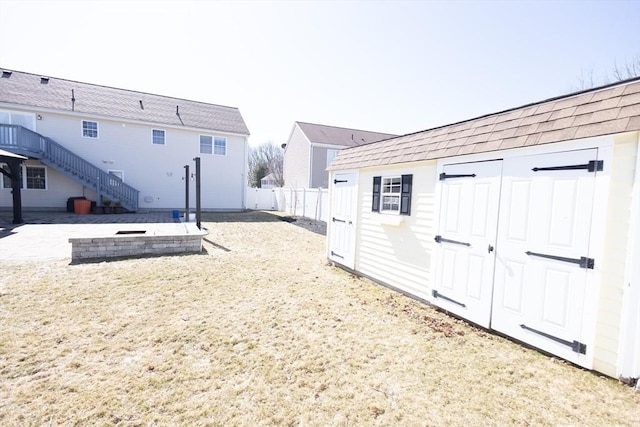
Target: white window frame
[[6, 182], [12, 114], [153, 136], [82, 129], [390, 186], [200, 139], [117, 173], [216, 140]]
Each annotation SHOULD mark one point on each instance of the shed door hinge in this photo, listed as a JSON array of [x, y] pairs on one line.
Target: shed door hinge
[[576, 346], [444, 176], [440, 239], [583, 261], [592, 166], [436, 294]]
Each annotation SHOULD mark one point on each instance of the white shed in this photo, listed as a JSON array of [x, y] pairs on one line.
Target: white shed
[[525, 221]]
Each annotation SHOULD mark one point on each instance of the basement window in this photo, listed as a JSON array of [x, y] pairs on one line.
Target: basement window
[[6, 182], [31, 178], [89, 129], [36, 178]]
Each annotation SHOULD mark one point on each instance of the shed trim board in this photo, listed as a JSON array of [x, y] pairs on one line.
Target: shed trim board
[[568, 196]]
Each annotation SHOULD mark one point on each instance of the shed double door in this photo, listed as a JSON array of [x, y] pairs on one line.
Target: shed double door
[[544, 263], [466, 239], [535, 211]]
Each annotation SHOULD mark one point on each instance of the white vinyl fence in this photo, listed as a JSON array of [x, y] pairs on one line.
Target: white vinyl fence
[[308, 202]]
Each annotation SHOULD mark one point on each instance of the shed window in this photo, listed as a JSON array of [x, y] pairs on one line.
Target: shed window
[[392, 194]]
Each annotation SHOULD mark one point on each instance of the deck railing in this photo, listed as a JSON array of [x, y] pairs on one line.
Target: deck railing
[[20, 140]]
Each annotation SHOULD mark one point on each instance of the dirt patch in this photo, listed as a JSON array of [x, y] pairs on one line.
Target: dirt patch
[[319, 227], [261, 330]]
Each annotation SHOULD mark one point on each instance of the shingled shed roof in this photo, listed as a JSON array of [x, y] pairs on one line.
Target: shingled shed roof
[[66, 95], [606, 110], [332, 135]]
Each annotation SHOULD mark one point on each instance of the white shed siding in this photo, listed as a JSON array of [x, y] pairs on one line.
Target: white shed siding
[[155, 170], [399, 255], [615, 253], [296, 160]]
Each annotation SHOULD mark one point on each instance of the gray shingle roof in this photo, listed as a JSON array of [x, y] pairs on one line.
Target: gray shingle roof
[[601, 111], [32, 90], [332, 135]]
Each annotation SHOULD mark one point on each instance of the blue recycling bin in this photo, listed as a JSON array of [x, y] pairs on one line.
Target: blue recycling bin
[[176, 214]]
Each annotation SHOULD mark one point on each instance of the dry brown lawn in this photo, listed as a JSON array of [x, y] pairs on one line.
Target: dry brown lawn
[[260, 330]]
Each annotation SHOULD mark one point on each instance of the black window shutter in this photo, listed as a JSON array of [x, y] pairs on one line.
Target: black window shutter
[[377, 180], [405, 195]]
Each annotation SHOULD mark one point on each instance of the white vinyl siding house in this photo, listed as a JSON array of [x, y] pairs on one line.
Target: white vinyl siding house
[[149, 146], [521, 221], [311, 147]]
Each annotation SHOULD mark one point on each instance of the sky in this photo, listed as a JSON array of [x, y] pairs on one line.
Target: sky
[[386, 66]]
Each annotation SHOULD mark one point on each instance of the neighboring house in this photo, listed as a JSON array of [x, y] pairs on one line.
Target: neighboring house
[[525, 221], [311, 148], [269, 181], [106, 143]]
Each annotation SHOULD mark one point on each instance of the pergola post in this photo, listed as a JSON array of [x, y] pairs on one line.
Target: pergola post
[[16, 185]]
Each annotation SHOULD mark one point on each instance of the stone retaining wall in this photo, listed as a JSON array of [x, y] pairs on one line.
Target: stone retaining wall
[[83, 248]]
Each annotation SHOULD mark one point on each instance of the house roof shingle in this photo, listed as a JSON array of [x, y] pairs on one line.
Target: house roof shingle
[[600, 111], [52, 93], [333, 135]]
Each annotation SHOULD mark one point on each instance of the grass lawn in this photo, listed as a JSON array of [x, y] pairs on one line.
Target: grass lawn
[[260, 330]]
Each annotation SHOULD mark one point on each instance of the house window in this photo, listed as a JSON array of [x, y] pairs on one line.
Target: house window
[[213, 145], [21, 119], [220, 146], [31, 177], [89, 129], [206, 144], [36, 178], [118, 174], [157, 137], [392, 194], [331, 154], [6, 181]]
